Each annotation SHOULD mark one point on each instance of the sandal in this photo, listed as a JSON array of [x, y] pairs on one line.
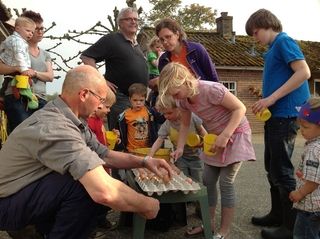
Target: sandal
[[194, 232], [218, 236]]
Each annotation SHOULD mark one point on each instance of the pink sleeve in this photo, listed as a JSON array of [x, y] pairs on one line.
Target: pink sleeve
[[215, 93]]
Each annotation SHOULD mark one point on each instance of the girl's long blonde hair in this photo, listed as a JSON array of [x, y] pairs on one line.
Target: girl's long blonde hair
[[174, 75]]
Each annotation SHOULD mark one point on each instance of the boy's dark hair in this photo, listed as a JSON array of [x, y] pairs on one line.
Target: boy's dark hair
[[36, 17], [263, 19], [137, 88]]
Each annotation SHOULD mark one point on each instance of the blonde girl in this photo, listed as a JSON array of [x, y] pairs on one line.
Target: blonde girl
[[223, 114]]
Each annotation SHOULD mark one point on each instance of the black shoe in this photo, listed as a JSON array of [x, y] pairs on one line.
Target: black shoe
[[276, 233], [266, 221]]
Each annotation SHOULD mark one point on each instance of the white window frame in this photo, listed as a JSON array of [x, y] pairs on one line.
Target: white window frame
[[228, 85], [316, 82]]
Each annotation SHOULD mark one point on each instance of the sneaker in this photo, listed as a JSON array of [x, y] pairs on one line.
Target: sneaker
[[218, 236]]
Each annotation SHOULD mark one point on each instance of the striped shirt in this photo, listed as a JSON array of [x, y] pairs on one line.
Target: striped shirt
[[309, 166]]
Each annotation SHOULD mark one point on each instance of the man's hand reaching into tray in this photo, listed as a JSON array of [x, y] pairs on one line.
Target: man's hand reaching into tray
[[160, 167]]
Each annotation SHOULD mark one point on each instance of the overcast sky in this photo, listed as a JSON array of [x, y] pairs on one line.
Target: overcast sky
[[300, 19]]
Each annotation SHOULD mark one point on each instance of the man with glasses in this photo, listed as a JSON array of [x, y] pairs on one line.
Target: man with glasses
[[52, 172], [125, 63]]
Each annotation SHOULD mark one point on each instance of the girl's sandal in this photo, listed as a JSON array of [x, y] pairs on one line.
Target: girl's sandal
[[218, 236], [194, 232]]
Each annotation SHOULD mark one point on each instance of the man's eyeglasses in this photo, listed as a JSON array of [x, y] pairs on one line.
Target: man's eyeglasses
[[101, 99], [131, 19]]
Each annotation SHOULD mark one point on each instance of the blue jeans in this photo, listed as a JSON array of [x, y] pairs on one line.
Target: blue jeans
[[279, 137], [191, 166], [307, 225], [56, 204], [17, 110]]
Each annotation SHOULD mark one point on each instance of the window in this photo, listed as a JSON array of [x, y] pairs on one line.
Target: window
[[316, 87], [231, 86]]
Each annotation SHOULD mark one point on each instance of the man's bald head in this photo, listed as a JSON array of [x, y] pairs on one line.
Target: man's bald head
[[80, 77]]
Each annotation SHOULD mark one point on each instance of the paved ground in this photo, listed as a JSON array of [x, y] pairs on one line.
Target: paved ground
[[252, 195]]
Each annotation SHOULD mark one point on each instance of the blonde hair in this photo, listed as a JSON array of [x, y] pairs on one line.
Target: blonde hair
[[166, 103], [153, 42], [174, 75], [23, 21], [111, 97]]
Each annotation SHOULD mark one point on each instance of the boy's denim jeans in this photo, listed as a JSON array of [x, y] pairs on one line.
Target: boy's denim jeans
[[16, 111], [307, 225], [280, 135]]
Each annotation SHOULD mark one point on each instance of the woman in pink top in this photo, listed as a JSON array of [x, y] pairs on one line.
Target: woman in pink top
[[223, 114]]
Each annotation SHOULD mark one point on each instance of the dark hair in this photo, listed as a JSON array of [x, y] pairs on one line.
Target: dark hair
[[137, 88], [263, 19], [36, 17], [172, 25]]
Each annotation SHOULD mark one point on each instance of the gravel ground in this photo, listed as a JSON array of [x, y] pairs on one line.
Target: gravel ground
[[252, 195]]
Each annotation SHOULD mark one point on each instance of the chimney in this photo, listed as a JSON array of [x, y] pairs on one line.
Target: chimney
[[224, 25]]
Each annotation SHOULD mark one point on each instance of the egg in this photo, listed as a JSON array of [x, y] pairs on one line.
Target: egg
[[189, 180], [166, 179]]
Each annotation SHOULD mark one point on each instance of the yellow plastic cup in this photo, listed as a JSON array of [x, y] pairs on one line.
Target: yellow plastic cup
[[111, 138], [193, 140], [22, 81], [163, 153], [208, 141], [264, 115], [173, 135]]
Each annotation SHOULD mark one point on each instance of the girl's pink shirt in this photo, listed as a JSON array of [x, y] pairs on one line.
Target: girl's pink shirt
[[207, 105]]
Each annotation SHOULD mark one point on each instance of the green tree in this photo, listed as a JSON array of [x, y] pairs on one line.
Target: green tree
[[162, 9], [197, 17], [191, 17]]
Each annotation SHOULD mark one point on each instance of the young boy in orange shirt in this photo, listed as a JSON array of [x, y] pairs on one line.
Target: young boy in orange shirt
[[138, 127]]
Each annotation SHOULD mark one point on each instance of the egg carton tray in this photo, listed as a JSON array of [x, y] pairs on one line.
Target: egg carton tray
[[179, 182]]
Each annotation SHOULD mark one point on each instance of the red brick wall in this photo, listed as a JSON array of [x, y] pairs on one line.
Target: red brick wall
[[244, 80]]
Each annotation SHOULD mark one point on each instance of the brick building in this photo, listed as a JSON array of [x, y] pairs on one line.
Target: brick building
[[239, 61]]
